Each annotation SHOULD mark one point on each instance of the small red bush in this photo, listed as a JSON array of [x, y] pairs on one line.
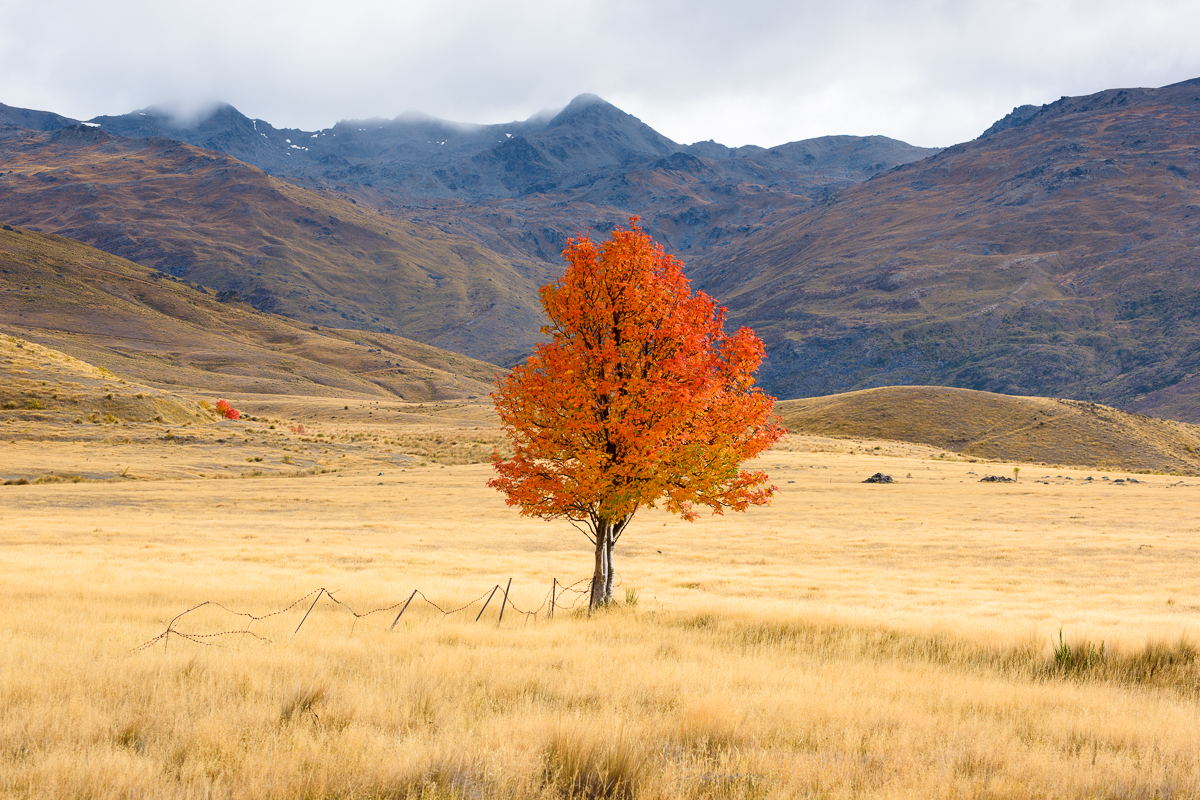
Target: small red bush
[[227, 411]]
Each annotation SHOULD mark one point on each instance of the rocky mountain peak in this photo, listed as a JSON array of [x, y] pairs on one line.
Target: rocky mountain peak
[[1015, 118], [32, 120], [79, 136]]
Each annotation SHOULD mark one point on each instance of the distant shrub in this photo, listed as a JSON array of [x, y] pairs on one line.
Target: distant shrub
[[1078, 658], [298, 429], [227, 411]]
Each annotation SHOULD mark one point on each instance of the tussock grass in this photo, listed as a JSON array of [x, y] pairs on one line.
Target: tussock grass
[[452, 446], [1159, 664], [626, 704], [594, 765], [848, 641]]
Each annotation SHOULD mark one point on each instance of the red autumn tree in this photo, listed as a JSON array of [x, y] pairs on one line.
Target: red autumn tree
[[227, 411], [639, 398]]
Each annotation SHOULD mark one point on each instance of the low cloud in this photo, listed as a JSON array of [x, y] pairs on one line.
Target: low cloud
[[932, 73]]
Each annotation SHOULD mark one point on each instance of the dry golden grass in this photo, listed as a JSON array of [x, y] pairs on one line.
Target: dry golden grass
[[66, 420], [851, 640], [936, 637], [984, 425]]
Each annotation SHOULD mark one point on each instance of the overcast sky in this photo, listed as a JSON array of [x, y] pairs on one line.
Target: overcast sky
[[930, 72]]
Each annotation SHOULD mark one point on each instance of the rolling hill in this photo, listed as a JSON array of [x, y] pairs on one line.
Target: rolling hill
[[46, 385], [313, 256], [90, 336], [1053, 256], [165, 333], [1002, 427]]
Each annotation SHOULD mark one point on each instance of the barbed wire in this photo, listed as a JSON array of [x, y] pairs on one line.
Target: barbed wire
[[551, 602]]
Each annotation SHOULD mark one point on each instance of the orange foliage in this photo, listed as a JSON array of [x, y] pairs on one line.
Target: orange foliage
[[638, 398], [227, 411]]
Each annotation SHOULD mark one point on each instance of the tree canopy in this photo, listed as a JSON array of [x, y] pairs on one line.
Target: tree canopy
[[638, 398]]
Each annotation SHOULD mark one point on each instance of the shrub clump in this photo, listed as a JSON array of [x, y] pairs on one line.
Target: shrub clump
[[227, 411]]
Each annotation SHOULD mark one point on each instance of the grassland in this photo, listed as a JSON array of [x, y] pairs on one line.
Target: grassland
[[984, 425], [851, 640]]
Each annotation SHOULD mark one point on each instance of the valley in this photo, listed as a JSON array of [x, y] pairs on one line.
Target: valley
[[195, 605], [852, 638], [1050, 257]]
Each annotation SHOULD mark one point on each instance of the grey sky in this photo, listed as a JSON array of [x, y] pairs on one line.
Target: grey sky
[[930, 72]]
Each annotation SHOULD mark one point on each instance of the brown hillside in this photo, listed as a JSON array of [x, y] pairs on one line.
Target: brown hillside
[[313, 256], [153, 328], [41, 384], [1054, 258], [1002, 427]]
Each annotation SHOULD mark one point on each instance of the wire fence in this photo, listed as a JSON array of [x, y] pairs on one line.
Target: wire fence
[[552, 601]]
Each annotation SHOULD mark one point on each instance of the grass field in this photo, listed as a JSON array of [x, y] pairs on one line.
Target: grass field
[[851, 640], [1039, 430]]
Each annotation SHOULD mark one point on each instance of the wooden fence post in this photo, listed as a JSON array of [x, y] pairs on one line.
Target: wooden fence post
[[401, 614], [485, 602], [553, 587], [306, 613], [503, 603]]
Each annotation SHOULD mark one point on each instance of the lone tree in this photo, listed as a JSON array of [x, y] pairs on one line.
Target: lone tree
[[638, 398]]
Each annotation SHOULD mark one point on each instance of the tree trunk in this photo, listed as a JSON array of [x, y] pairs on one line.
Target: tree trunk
[[608, 563], [600, 574], [606, 532]]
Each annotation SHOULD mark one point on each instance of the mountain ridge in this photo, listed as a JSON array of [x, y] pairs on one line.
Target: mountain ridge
[[590, 154], [209, 216], [1054, 257]]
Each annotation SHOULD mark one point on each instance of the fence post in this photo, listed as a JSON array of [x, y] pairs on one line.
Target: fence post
[[401, 614], [553, 587], [485, 602], [503, 603], [306, 613]]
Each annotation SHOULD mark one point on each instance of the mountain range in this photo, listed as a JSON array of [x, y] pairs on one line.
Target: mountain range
[[1055, 255]]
